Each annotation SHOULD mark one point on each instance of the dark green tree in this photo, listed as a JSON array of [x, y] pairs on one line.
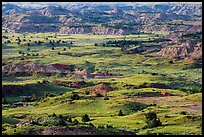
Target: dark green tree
[[152, 120], [54, 115], [70, 120], [120, 113], [74, 96], [85, 118], [76, 122]]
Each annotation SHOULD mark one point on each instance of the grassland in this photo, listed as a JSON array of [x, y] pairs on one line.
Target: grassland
[[184, 85]]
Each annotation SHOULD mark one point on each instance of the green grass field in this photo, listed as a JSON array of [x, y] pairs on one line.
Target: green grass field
[[134, 71]]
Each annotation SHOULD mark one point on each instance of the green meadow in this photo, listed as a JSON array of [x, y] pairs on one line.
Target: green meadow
[[136, 90]]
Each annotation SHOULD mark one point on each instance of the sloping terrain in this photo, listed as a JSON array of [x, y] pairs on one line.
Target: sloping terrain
[[102, 69]]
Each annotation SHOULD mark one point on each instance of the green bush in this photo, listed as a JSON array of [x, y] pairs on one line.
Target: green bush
[[106, 98], [183, 113], [120, 113], [85, 118], [74, 96], [152, 120], [54, 115], [87, 92], [76, 122], [99, 95], [70, 120]]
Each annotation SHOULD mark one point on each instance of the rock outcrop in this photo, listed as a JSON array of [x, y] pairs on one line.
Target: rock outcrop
[[31, 68], [183, 50]]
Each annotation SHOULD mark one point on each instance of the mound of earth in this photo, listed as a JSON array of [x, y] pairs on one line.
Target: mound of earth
[[101, 88]]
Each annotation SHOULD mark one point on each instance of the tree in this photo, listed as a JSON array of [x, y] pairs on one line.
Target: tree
[[152, 120], [99, 95], [76, 122], [120, 113], [60, 116], [74, 96], [8, 41], [171, 62], [85, 118], [54, 115], [70, 120], [87, 92], [72, 67]]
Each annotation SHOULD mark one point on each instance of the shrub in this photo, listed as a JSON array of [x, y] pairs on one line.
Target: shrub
[[45, 81], [106, 98], [74, 96], [76, 122], [99, 95], [109, 126], [60, 116], [120, 113], [152, 120], [153, 123], [54, 115], [183, 113], [70, 120], [85, 118], [87, 92], [101, 126], [171, 62]]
